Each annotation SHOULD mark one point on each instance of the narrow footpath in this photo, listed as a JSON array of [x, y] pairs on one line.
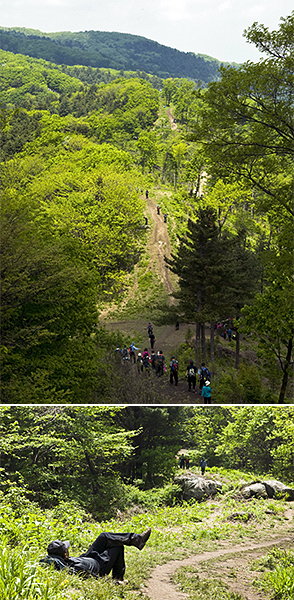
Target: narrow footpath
[[161, 587]]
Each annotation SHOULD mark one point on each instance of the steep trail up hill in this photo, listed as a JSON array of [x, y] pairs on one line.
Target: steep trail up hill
[[159, 246], [167, 338]]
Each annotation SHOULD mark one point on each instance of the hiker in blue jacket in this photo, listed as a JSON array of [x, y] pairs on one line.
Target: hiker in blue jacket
[[132, 349]]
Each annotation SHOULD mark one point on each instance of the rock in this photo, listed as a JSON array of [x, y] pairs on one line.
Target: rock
[[257, 490], [195, 486], [241, 516], [267, 489], [272, 487]]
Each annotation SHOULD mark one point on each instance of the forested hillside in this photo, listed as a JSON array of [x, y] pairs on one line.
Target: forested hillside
[[81, 241], [70, 473], [119, 51]]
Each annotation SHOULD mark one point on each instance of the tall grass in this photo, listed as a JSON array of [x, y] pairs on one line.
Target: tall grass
[[20, 577]]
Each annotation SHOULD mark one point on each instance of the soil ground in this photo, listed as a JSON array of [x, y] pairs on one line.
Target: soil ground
[[231, 564]]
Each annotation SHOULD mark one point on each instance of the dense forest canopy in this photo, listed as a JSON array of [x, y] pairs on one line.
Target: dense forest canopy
[[91, 455], [109, 50]]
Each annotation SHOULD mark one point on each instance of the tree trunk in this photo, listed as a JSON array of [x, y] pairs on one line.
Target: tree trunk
[[212, 342], [197, 345], [203, 342], [237, 350], [285, 370]]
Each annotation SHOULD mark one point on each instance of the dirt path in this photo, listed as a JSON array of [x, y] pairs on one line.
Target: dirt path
[[171, 118], [159, 245], [161, 587]]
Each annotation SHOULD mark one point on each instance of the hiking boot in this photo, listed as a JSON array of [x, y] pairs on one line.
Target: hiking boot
[[142, 539], [120, 581]]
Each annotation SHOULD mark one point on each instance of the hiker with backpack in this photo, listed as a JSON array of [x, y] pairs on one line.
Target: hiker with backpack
[[106, 554], [158, 209], [132, 349], [165, 217], [147, 194], [174, 367], [160, 360], [140, 363], [206, 393], [153, 360], [125, 354], [152, 340], [149, 329], [191, 375], [203, 375]]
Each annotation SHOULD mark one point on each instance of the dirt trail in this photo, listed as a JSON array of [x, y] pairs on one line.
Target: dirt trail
[[161, 587], [159, 245], [171, 118]]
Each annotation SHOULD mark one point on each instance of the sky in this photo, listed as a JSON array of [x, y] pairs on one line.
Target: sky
[[213, 27]]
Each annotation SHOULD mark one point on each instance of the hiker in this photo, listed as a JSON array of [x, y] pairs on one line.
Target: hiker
[[160, 360], [182, 461], [158, 209], [146, 363], [206, 393], [191, 374], [203, 375], [146, 221], [229, 332], [140, 362], [177, 326], [152, 340], [203, 464], [153, 360], [174, 367], [165, 217], [147, 194], [187, 462], [132, 349], [118, 353], [150, 329], [125, 354], [106, 554]]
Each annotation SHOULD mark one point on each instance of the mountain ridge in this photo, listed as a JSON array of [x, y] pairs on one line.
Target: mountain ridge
[[122, 51]]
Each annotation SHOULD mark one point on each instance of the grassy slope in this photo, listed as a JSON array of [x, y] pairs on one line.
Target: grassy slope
[[177, 532]]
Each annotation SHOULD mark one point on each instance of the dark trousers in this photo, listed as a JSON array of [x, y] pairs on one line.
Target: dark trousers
[[108, 550], [192, 381], [174, 374]]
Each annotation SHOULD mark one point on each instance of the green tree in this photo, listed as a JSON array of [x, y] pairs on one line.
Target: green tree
[[271, 320], [215, 273], [148, 149], [65, 453]]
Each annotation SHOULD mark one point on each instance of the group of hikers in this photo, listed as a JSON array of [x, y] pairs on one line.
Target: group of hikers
[[151, 361], [185, 463], [157, 209]]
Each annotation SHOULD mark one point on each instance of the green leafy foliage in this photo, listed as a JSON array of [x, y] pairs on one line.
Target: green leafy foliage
[[111, 50]]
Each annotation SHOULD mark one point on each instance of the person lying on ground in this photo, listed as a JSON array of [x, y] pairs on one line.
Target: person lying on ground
[[106, 554]]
